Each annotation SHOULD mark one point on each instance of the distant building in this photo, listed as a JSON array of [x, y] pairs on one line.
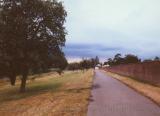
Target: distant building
[[98, 66], [105, 66]]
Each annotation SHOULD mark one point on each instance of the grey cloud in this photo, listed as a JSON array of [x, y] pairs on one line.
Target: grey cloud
[[89, 50], [106, 27]]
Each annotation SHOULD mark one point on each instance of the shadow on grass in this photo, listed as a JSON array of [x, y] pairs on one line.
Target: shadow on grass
[[32, 90], [77, 90]]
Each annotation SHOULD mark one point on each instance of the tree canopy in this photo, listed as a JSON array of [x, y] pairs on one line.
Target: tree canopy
[[118, 59], [32, 32], [84, 64]]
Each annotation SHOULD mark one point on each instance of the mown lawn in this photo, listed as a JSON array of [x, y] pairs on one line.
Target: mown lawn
[[48, 95]]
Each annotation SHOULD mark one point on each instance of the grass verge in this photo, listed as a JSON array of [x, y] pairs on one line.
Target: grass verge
[[150, 91], [50, 95]]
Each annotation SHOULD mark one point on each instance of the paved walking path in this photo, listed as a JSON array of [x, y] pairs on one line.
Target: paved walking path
[[112, 98]]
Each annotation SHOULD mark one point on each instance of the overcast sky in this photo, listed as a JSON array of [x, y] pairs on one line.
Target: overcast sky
[[107, 27]]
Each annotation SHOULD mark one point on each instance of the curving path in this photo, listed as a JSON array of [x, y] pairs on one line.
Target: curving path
[[112, 98]]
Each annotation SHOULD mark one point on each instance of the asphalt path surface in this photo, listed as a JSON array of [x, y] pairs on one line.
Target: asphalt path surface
[[110, 97]]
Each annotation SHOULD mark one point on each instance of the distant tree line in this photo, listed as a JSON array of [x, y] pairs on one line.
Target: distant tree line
[[150, 60], [127, 59], [84, 64]]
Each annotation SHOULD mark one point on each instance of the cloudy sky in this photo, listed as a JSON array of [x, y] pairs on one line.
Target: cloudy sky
[[107, 27]]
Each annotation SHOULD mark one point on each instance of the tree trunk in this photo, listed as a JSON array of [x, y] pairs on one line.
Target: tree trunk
[[23, 83], [12, 79]]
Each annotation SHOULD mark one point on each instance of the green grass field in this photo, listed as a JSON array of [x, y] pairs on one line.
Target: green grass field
[[49, 94]]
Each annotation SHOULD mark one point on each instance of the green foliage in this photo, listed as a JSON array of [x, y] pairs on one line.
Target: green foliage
[[74, 66], [156, 58], [84, 64], [118, 59], [31, 32]]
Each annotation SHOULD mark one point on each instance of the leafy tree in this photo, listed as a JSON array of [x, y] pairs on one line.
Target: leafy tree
[[30, 32], [109, 62], [74, 66], [92, 62], [84, 64], [60, 62], [129, 58], [89, 63], [118, 59], [117, 56], [96, 60], [156, 58]]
